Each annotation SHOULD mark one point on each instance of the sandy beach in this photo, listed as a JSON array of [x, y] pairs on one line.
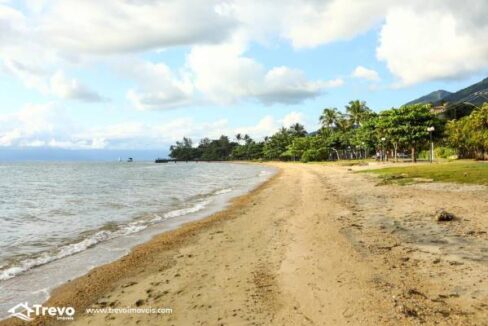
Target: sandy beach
[[318, 244]]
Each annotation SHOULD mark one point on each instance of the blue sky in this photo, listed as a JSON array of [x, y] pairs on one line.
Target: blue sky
[[141, 74]]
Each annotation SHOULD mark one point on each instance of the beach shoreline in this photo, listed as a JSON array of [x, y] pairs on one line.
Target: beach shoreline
[[135, 213], [313, 244], [67, 293]]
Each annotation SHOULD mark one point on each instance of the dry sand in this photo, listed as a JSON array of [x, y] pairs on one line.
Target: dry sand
[[316, 245]]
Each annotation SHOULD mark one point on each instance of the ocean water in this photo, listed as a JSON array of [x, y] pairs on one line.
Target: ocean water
[[57, 220]]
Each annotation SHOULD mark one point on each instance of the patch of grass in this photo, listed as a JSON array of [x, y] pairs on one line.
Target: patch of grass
[[470, 172], [345, 162]]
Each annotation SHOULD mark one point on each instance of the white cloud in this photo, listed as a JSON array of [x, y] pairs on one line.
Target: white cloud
[[32, 77], [292, 118], [158, 87], [69, 88], [113, 26], [65, 33], [365, 73], [48, 125], [30, 123], [224, 74], [422, 44], [57, 84], [305, 23], [312, 23], [265, 127], [286, 85], [419, 41]]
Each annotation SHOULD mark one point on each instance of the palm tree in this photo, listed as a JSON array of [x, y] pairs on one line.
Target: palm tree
[[298, 130], [247, 139], [329, 117], [342, 122], [238, 137], [357, 111]]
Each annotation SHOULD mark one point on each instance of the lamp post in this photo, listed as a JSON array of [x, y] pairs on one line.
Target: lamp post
[[431, 130], [383, 149]]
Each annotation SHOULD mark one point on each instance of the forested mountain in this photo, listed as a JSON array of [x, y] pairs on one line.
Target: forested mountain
[[476, 94], [433, 97]]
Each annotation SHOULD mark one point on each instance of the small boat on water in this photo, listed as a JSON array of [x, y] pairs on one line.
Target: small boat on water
[[161, 160], [130, 159]]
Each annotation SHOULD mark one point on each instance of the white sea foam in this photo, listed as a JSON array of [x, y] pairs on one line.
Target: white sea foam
[[180, 212], [98, 237], [265, 173], [157, 218], [68, 250], [223, 191]]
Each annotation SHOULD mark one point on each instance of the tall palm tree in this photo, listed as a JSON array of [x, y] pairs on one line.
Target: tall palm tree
[[357, 111], [328, 118], [239, 137], [247, 139], [298, 130]]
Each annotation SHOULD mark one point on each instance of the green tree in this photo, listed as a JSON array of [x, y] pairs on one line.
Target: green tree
[[306, 149], [328, 118], [277, 144], [183, 150], [298, 146], [250, 150], [366, 136], [343, 123], [238, 137], [297, 130], [247, 139], [358, 112], [407, 126], [469, 135]]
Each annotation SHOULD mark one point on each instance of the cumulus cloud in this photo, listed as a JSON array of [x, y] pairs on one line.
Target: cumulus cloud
[[29, 123], [286, 85], [421, 44], [292, 118], [57, 84], [70, 88], [44, 125], [32, 77], [64, 32], [118, 26], [313, 23], [48, 125], [159, 87], [224, 74], [365, 73], [418, 41]]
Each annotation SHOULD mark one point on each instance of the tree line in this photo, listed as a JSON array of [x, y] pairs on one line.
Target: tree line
[[357, 133]]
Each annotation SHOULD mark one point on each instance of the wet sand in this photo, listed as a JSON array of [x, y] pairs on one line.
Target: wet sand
[[315, 245]]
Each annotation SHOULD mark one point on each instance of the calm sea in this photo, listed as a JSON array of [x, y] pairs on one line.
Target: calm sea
[[57, 220]]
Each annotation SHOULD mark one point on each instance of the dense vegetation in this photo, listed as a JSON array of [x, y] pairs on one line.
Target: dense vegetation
[[356, 134]]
